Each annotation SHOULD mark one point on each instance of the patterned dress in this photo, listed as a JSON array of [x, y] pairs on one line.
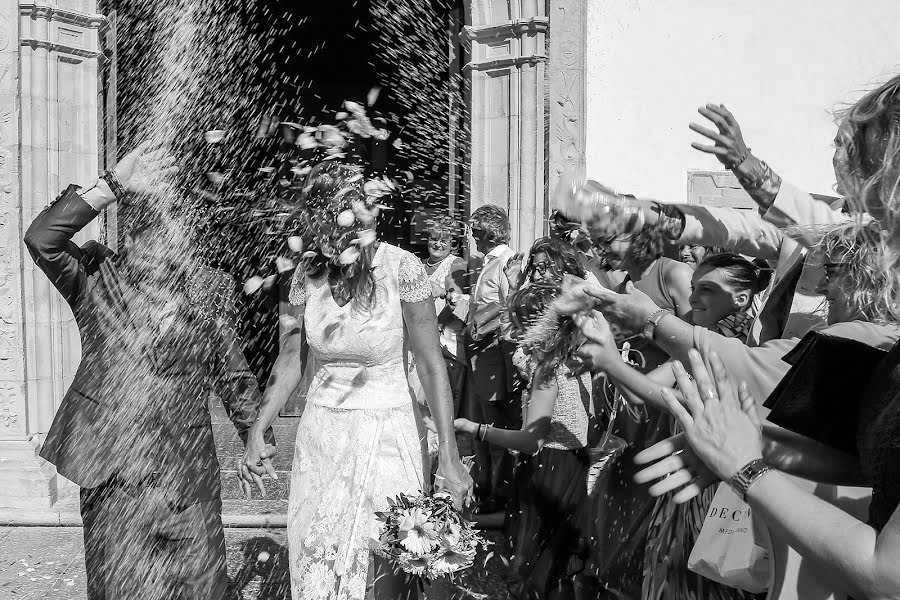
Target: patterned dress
[[359, 440]]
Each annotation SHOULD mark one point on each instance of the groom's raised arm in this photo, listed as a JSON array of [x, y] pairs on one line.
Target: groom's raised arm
[[49, 241]]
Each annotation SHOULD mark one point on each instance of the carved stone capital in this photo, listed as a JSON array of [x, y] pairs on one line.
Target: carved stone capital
[[512, 29], [38, 11]]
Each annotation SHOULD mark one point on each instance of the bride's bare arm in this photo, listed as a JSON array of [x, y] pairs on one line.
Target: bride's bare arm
[[286, 375], [421, 324], [286, 372]]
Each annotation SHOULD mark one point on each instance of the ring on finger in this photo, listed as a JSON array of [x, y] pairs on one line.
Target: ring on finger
[[710, 394]]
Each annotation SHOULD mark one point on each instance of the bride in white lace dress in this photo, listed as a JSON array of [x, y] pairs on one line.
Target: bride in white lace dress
[[360, 438]]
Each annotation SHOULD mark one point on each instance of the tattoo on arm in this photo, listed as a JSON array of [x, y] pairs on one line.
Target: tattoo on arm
[[759, 180]]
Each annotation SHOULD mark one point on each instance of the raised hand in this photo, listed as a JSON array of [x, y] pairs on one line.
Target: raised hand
[[720, 430], [146, 169], [729, 147], [513, 269], [675, 464], [602, 209], [628, 312], [599, 349]]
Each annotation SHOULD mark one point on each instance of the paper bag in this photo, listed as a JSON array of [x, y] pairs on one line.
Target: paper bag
[[733, 547]]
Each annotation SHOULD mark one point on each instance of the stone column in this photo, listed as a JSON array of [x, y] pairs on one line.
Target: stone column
[[507, 99], [49, 137], [567, 86]]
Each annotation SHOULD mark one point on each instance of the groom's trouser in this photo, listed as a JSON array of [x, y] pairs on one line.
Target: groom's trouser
[[137, 545]]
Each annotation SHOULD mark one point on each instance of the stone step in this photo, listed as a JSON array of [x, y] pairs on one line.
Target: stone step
[[22, 486], [17, 450]]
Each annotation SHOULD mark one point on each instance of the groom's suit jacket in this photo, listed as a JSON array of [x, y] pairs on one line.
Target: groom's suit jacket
[[137, 410]]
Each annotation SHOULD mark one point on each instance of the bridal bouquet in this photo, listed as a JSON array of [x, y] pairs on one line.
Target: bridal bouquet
[[424, 535]]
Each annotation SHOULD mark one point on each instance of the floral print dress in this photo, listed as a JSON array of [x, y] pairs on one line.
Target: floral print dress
[[360, 439]]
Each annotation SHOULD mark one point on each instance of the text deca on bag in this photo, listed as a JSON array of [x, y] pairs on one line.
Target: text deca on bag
[[733, 548]]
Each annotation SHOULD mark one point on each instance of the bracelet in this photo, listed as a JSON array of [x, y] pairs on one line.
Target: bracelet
[[740, 160], [652, 321], [112, 180], [746, 477], [482, 431]]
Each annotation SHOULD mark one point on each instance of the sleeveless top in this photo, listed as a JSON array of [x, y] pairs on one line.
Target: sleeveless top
[[360, 355], [653, 283], [569, 421]]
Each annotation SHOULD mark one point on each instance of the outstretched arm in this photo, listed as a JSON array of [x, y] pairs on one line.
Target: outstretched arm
[[530, 439], [726, 438], [284, 379]]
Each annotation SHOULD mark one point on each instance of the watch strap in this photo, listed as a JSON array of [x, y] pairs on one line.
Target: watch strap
[[652, 321], [747, 476]]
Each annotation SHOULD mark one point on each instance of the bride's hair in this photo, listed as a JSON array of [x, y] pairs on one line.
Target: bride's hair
[[333, 192]]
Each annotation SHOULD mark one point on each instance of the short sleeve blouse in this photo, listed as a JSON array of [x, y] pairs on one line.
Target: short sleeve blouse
[[413, 279]]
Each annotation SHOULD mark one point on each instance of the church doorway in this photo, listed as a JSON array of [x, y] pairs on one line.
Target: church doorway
[[282, 61]]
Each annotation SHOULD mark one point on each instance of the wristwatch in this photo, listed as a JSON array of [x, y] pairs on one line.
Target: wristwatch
[[652, 321], [750, 474]]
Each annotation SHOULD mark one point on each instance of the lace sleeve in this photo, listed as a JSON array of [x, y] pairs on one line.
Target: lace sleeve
[[414, 284], [297, 295]]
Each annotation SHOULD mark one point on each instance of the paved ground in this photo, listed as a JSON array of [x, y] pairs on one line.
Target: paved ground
[[47, 563]]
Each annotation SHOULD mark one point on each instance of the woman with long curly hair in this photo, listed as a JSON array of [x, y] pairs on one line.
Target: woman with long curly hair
[[549, 515], [362, 303]]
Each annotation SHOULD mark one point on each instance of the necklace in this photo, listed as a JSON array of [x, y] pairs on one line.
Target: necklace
[[433, 264]]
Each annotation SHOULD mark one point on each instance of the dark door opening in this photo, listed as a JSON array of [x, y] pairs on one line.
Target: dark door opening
[[298, 62]]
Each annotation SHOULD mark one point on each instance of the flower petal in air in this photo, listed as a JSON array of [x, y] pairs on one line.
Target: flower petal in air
[[346, 218], [295, 243], [366, 237], [252, 285], [214, 136], [348, 256]]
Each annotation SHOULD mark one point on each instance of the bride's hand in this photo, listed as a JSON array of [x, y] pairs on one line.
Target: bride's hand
[[453, 478], [255, 464]]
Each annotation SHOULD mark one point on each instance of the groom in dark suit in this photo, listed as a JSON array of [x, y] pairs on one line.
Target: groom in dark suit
[[134, 429]]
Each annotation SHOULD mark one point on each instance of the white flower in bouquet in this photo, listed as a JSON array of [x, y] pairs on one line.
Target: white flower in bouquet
[[451, 561], [417, 533], [426, 536]]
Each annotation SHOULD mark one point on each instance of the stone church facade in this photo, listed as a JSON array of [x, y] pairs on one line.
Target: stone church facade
[[526, 107]]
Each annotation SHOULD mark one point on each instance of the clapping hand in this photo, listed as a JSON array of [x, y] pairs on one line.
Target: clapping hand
[[729, 145], [722, 433]]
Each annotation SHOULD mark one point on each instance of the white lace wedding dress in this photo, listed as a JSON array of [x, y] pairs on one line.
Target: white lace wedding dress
[[360, 439]]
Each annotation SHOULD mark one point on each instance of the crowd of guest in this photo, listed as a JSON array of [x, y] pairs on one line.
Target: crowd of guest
[[664, 315]]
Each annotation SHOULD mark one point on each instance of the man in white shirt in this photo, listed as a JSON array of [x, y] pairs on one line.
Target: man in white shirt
[[490, 396]]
